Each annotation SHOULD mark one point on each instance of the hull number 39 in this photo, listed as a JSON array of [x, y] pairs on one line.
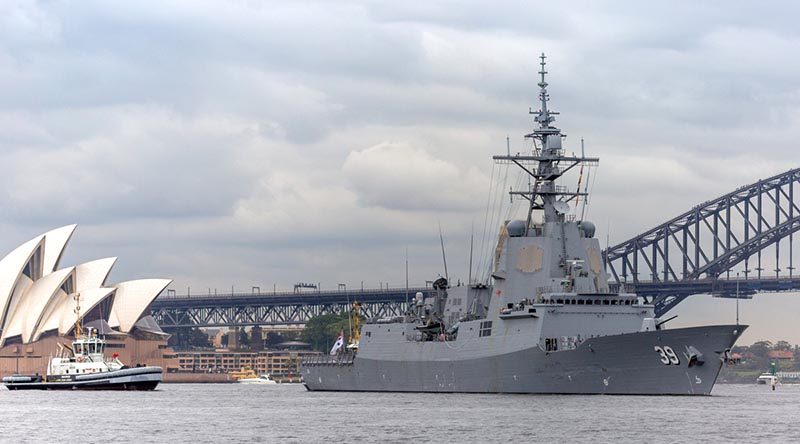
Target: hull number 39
[[667, 355]]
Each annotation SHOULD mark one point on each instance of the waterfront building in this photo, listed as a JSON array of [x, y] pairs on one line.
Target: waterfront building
[[781, 355], [278, 363]]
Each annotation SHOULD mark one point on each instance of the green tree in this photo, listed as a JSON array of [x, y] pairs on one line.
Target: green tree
[[782, 345], [243, 339], [191, 338], [761, 348], [321, 331], [274, 338]]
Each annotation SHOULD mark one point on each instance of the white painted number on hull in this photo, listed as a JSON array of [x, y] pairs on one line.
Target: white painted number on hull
[[667, 355]]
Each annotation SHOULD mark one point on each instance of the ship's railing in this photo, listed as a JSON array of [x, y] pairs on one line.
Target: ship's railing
[[345, 358], [544, 290], [559, 189]]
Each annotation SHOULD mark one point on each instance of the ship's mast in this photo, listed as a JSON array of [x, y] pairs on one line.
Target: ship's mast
[[546, 163], [78, 328]]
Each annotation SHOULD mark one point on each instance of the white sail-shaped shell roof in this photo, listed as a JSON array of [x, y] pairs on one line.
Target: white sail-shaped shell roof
[[35, 298], [11, 268], [63, 318], [29, 310], [93, 274], [55, 241], [90, 277], [131, 299]]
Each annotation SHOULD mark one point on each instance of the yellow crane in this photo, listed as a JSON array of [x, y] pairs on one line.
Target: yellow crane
[[356, 337]]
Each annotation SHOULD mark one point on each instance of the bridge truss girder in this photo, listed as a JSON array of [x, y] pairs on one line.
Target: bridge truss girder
[[239, 311], [711, 239]]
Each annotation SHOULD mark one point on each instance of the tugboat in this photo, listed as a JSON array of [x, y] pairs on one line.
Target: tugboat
[[84, 366]]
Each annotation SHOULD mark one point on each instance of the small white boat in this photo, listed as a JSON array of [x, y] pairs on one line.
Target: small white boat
[[263, 379], [767, 379]]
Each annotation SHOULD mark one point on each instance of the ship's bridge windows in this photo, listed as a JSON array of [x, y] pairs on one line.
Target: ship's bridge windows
[[597, 302]]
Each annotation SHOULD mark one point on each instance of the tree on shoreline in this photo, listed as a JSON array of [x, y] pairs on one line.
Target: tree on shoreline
[[321, 331]]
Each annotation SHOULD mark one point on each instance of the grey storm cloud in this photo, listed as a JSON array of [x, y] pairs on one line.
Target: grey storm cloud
[[250, 143]]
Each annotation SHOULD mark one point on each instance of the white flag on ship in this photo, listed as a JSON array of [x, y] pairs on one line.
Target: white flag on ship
[[339, 343]]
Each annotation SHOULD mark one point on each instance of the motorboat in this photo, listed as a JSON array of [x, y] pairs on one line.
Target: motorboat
[[262, 379], [767, 378]]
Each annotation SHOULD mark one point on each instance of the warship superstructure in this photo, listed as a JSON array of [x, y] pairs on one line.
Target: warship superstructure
[[545, 322]]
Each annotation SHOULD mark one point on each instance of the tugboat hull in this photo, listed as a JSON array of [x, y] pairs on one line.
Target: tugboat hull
[[137, 378]]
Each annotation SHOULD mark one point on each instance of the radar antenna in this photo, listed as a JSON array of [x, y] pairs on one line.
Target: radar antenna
[[545, 165], [543, 117]]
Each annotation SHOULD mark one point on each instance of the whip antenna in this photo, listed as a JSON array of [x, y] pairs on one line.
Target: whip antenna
[[471, 243], [444, 257]]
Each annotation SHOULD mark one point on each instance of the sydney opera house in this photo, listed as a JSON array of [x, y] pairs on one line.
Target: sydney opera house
[[38, 307]]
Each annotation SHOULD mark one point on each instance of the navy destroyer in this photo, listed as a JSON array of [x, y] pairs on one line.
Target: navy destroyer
[[545, 322]]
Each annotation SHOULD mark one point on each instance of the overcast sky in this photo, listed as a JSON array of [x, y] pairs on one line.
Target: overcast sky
[[253, 143]]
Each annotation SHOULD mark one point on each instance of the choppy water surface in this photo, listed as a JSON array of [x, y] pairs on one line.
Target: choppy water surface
[[191, 413]]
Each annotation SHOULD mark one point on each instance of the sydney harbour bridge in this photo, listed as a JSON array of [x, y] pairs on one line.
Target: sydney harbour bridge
[[736, 245]]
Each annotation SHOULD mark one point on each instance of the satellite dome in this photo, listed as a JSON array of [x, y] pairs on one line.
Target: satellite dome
[[588, 228], [516, 228]]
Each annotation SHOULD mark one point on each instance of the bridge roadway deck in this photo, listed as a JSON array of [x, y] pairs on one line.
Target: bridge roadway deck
[[666, 295], [288, 298], [717, 287], [240, 309], [243, 309]]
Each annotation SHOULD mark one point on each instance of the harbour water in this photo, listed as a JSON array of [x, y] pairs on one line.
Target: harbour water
[[206, 413]]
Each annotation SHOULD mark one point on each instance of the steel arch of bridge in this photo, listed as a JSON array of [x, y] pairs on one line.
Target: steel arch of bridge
[[708, 241]]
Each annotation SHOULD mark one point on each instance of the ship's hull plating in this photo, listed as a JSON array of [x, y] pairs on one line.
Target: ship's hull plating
[[630, 364], [138, 378]]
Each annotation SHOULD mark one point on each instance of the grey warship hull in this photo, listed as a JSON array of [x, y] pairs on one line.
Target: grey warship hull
[[625, 364]]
